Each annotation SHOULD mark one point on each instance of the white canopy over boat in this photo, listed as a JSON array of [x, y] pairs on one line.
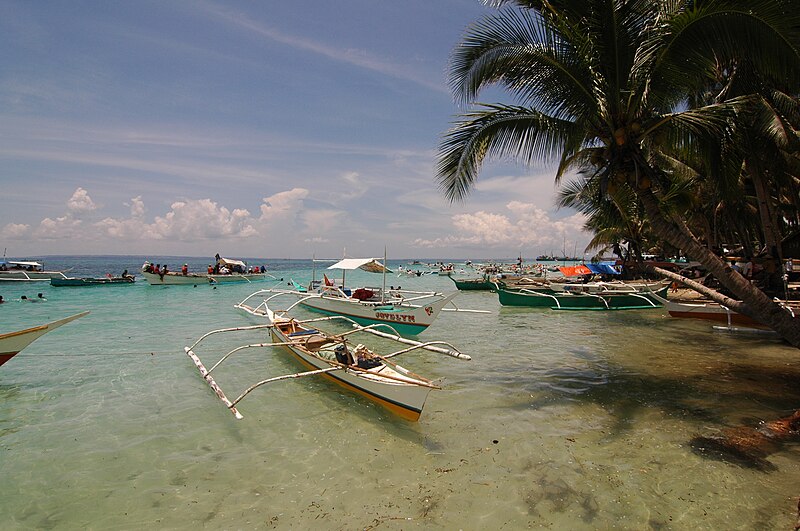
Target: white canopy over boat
[[35, 265], [371, 265], [229, 262]]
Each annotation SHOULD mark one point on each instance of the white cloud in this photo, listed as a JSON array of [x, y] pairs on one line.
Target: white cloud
[[80, 202], [64, 227], [524, 225], [322, 220], [16, 231], [283, 204], [202, 219], [125, 229], [137, 207]]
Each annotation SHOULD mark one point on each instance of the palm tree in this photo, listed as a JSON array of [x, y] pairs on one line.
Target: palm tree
[[605, 87]]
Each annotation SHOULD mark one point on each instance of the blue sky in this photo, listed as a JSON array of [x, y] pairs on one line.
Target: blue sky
[[272, 129]]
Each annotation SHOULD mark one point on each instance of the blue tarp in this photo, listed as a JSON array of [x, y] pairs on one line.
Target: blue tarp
[[604, 268]]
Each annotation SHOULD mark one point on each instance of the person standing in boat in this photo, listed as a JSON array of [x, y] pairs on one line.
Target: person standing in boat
[[747, 270], [185, 270]]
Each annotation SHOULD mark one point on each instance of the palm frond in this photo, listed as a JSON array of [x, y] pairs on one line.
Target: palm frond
[[520, 52], [496, 130]]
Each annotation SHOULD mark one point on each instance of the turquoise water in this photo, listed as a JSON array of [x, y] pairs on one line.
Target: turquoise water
[[562, 420]]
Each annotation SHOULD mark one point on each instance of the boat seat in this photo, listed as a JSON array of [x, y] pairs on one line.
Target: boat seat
[[314, 343], [303, 333]]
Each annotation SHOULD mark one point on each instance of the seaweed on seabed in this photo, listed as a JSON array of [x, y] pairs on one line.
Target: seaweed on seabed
[[749, 447]]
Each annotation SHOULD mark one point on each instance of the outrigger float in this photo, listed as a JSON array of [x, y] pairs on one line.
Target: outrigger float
[[333, 356]]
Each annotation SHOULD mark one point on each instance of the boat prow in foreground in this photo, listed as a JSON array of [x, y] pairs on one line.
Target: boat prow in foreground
[[355, 368], [13, 342]]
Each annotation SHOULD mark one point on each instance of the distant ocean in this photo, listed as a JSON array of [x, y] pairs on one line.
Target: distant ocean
[[562, 420]]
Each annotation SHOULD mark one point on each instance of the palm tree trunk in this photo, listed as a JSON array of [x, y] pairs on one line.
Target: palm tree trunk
[[754, 303], [772, 237]]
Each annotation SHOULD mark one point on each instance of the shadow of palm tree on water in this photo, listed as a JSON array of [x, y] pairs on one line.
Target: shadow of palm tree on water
[[716, 396]]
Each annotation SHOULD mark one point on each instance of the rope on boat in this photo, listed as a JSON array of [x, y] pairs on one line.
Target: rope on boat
[[232, 329], [453, 351]]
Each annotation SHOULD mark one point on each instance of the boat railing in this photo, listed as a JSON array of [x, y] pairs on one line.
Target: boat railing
[[640, 296], [333, 291], [405, 297], [529, 292]]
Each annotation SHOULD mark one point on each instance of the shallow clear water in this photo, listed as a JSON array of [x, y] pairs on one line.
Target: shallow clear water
[[563, 420]]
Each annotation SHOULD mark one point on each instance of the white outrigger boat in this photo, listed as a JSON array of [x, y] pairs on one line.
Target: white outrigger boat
[[26, 271], [714, 311], [176, 278], [408, 312], [13, 342], [357, 369]]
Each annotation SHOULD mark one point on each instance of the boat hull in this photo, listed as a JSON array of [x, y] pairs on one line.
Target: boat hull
[[473, 284], [403, 399], [406, 320], [29, 276], [13, 342], [237, 277], [709, 311], [63, 282], [179, 279], [716, 314], [530, 298]]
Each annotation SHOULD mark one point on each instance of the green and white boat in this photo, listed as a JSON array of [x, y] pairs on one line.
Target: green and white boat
[[581, 301]]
